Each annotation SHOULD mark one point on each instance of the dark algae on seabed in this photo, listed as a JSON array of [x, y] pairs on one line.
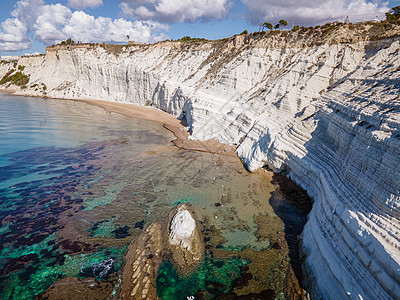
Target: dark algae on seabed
[[78, 185]]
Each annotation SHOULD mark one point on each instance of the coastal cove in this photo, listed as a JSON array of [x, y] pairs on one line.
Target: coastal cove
[[318, 105], [82, 180]]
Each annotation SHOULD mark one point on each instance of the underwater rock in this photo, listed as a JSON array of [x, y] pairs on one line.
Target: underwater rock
[[77, 288], [142, 263], [99, 270], [181, 241]]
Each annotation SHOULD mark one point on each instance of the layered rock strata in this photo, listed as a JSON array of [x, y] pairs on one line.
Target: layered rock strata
[[180, 240], [142, 263], [321, 105]]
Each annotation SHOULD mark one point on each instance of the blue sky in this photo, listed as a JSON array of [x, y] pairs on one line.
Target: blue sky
[[28, 26]]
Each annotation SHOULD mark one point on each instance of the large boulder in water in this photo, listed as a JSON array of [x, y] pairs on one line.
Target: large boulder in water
[[185, 239]]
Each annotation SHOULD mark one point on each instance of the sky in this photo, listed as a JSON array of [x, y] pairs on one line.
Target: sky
[[28, 26]]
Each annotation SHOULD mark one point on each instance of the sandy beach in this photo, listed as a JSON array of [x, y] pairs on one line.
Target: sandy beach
[[169, 122], [7, 91]]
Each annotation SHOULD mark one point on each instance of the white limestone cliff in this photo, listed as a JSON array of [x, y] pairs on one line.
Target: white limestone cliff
[[323, 108]]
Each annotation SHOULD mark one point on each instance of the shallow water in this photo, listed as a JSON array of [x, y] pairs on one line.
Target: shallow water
[[78, 184]]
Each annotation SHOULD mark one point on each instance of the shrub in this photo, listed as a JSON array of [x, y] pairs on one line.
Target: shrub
[[6, 77], [189, 39], [17, 78], [68, 42], [21, 67], [244, 32], [275, 32], [303, 29], [20, 78], [296, 27]]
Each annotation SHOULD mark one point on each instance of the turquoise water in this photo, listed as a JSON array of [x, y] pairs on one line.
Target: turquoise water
[[51, 154], [214, 277], [78, 184]]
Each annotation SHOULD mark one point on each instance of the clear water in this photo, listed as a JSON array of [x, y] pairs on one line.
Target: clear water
[[78, 184]]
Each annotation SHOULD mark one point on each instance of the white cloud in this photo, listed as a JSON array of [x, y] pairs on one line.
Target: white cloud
[[81, 4], [13, 31], [8, 46], [175, 11], [27, 11], [311, 12], [51, 24], [13, 35], [86, 28]]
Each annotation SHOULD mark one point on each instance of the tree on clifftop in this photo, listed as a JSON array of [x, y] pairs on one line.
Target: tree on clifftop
[[68, 42], [395, 10], [266, 25], [393, 16], [283, 23]]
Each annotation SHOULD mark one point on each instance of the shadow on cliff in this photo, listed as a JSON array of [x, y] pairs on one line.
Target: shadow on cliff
[[292, 205], [338, 148]]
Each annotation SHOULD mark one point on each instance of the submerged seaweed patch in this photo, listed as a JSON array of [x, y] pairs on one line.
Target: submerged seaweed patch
[[214, 277], [38, 190], [121, 232], [70, 212]]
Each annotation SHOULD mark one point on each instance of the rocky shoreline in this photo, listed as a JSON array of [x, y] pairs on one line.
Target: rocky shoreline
[[319, 105]]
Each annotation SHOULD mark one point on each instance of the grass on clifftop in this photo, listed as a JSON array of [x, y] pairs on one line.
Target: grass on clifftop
[[189, 39]]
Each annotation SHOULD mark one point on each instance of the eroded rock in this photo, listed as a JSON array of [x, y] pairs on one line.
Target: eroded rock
[[185, 238], [142, 262], [179, 239]]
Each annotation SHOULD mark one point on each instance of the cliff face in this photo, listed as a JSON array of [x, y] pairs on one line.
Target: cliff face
[[322, 107]]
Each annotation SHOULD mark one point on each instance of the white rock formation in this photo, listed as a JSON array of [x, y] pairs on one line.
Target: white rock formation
[[323, 109], [182, 232], [181, 228]]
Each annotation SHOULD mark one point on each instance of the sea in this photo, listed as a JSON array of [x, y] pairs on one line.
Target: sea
[[78, 184]]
